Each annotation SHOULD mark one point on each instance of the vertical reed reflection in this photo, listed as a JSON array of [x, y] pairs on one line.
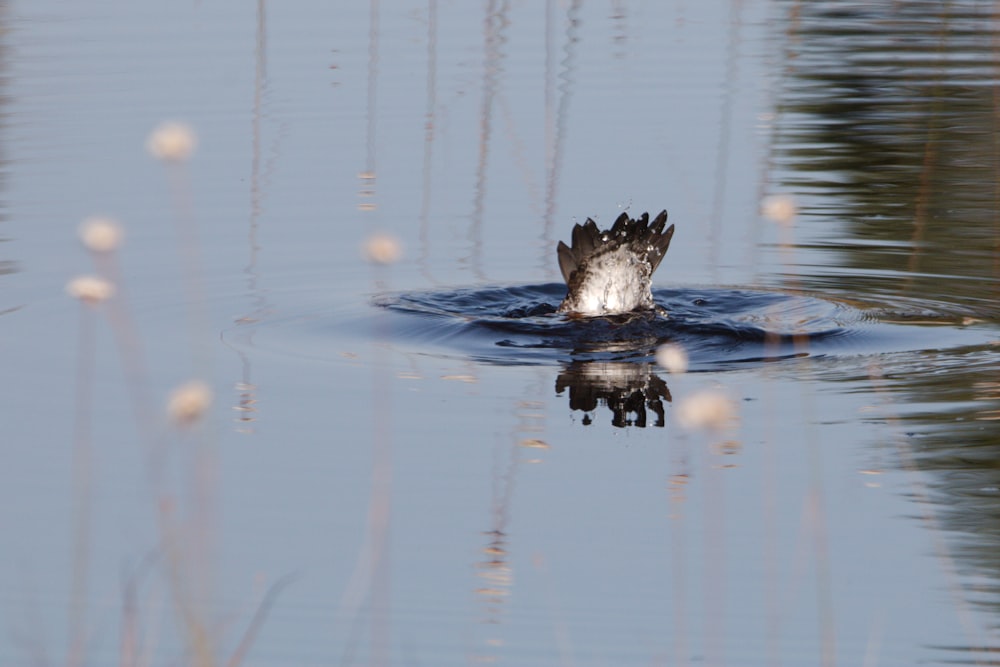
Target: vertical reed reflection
[[7, 266], [429, 127], [494, 25], [930, 163], [380, 504], [246, 406], [619, 30], [725, 127], [380, 509], [494, 569], [677, 485], [559, 82], [771, 126], [369, 584], [366, 192]]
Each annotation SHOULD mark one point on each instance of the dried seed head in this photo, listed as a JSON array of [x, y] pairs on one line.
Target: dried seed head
[[382, 248], [189, 402], [712, 410], [672, 357], [779, 208], [90, 289], [172, 141], [100, 234]]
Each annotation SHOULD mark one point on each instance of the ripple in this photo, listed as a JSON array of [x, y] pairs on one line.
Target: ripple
[[715, 325], [719, 327]]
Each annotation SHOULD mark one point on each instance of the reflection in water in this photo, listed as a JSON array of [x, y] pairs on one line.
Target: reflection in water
[[558, 82], [7, 266], [723, 149], [889, 118], [368, 590], [949, 433], [556, 118], [493, 27], [888, 124], [429, 126], [376, 552], [627, 389], [619, 30], [494, 570], [366, 190], [246, 407]]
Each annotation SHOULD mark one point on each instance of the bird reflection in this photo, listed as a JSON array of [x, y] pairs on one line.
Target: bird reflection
[[630, 390]]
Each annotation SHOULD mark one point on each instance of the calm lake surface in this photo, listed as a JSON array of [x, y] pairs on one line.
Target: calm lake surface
[[418, 462]]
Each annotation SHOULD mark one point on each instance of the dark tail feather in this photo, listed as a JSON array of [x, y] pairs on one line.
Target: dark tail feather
[[586, 238], [567, 262], [657, 225], [647, 239], [660, 240]]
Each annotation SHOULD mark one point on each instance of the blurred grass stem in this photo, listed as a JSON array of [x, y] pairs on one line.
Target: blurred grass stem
[[82, 485]]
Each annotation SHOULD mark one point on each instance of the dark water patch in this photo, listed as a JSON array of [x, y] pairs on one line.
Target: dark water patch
[[520, 324], [718, 327]]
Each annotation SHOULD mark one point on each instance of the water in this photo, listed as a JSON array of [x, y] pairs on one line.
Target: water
[[421, 462]]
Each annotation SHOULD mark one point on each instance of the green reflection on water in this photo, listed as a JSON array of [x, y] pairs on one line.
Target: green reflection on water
[[888, 128], [887, 132]]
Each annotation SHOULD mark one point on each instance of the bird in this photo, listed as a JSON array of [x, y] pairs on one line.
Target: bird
[[609, 272]]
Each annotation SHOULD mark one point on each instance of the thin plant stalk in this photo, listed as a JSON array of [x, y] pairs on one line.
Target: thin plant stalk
[[82, 484]]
